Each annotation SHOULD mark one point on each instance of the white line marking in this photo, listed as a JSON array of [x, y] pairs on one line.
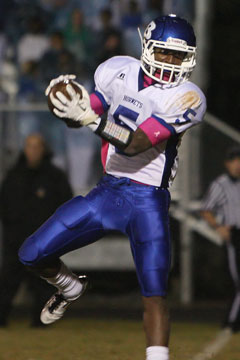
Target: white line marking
[[213, 348]]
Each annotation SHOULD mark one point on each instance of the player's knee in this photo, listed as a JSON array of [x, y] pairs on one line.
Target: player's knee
[[154, 282], [46, 241]]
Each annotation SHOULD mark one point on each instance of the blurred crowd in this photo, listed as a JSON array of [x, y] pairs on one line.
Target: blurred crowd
[[40, 39]]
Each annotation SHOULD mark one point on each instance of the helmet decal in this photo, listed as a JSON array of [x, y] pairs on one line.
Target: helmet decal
[[149, 29]]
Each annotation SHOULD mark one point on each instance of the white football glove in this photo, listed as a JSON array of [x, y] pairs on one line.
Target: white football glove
[[76, 109], [58, 80]]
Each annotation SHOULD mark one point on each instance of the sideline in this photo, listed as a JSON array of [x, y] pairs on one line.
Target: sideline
[[214, 347]]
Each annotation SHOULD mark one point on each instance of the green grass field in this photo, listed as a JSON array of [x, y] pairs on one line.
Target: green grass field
[[89, 339]]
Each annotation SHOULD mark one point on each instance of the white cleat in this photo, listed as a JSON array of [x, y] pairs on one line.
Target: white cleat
[[57, 304]]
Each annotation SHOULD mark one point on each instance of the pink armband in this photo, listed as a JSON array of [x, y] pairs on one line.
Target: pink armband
[[156, 131]]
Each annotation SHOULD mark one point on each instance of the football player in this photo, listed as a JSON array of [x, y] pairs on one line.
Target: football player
[[150, 104]]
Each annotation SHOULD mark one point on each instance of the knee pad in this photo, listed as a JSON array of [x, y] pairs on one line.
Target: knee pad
[[43, 242], [56, 232], [29, 252]]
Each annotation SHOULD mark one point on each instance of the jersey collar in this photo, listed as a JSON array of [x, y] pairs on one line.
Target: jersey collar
[[144, 80]]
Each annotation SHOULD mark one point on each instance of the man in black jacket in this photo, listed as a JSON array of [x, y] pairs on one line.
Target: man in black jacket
[[30, 193]]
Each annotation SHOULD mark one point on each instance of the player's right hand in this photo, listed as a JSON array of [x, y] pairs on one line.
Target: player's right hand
[[74, 107], [57, 80]]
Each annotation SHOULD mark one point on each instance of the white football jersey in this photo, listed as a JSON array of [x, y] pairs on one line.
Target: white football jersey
[[119, 85]]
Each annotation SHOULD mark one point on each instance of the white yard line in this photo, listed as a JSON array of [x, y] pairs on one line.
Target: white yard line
[[214, 347]]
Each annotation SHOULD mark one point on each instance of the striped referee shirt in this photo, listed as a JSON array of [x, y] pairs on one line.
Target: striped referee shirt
[[223, 199]]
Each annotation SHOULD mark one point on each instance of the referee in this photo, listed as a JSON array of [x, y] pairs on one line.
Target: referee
[[221, 210]]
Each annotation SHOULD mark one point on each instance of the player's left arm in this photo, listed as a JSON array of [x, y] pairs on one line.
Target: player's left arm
[[182, 112], [151, 132], [88, 110], [87, 113]]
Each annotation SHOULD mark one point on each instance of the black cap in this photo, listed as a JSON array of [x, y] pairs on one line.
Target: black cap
[[232, 153]]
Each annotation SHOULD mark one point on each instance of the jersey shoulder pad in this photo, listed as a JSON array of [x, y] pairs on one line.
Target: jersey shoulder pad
[[182, 106], [190, 96], [186, 96], [113, 67], [117, 62]]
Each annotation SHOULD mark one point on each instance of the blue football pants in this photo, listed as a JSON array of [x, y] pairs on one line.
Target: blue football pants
[[139, 211]]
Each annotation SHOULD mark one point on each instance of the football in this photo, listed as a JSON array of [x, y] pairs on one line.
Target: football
[[61, 86]]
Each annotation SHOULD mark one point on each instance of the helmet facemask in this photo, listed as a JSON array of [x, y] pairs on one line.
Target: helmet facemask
[[164, 73]]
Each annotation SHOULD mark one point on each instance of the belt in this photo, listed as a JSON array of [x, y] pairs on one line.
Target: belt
[[134, 181], [138, 182]]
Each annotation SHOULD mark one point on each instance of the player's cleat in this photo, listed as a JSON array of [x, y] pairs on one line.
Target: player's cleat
[[57, 304]]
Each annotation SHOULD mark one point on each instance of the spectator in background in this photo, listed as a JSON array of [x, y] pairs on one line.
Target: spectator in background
[[3, 56], [221, 210], [3, 44], [60, 11], [57, 59], [8, 76], [112, 46], [30, 88], [131, 20], [109, 38], [18, 13], [106, 26], [92, 9], [80, 39], [34, 43], [30, 193]]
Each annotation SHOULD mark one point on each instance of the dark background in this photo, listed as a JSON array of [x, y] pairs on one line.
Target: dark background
[[223, 93]]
